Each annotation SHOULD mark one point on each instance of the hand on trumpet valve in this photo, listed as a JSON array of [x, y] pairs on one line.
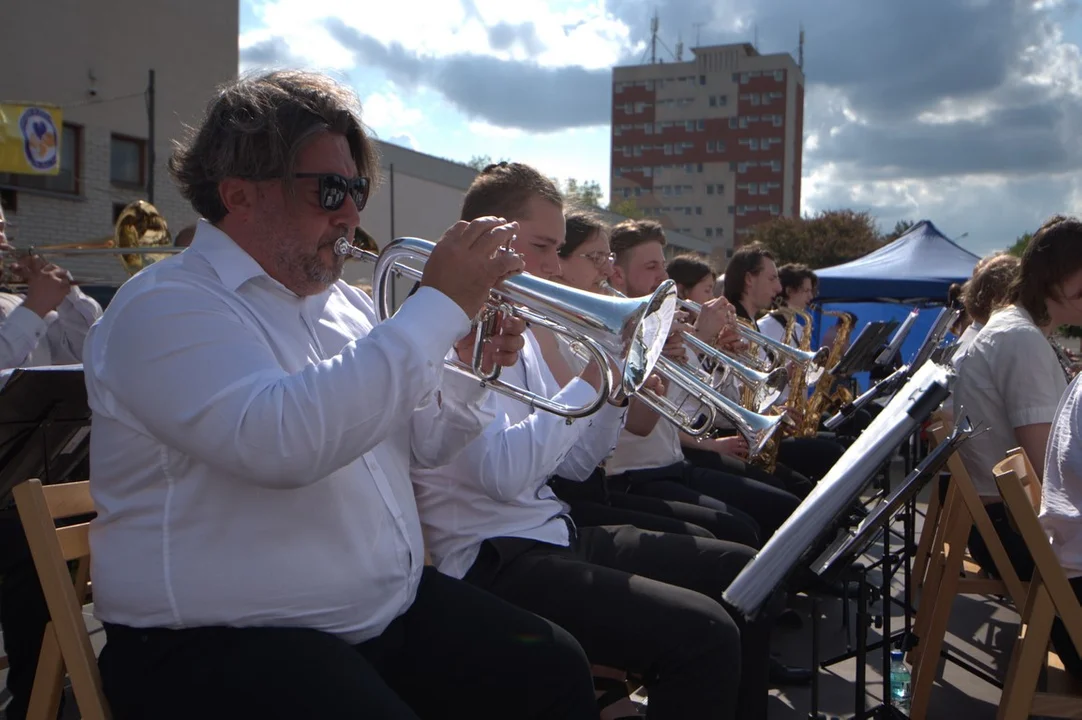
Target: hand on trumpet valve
[[502, 344], [46, 284], [674, 346], [714, 317], [470, 259], [656, 384], [730, 341], [735, 446]]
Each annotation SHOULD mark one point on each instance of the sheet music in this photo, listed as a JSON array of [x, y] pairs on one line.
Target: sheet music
[[6, 374]]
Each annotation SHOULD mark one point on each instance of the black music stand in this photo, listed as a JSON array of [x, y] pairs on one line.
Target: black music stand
[[44, 425], [807, 528], [839, 559], [862, 353]]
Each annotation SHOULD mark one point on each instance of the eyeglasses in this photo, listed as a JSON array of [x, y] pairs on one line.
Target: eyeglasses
[[333, 189], [598, 258]]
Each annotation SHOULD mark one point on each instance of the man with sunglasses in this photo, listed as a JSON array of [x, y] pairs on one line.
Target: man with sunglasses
[[257, 550]]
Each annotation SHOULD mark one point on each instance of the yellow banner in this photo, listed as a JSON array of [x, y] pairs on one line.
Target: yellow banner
[[30, 138]]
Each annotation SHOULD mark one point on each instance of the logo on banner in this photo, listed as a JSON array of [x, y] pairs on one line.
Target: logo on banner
[[40, 139]]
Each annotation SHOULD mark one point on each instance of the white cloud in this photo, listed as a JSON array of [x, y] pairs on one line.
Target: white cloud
[[386, 113]]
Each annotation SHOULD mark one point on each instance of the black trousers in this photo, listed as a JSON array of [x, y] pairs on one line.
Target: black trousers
[[23, 613], [456, 651], [1023, 565], [783, 477], [646, 603], [812, 457], [767, 505], [597, 502]]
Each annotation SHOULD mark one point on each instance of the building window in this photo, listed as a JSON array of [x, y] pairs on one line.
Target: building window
[[68, 179], [127, 161]]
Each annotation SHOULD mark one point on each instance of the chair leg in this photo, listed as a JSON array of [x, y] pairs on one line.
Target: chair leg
[[1028, 656], [924, 546], [48, 679], [938, 617]]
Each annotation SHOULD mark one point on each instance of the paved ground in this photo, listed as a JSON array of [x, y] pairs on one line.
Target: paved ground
[[981, 630]]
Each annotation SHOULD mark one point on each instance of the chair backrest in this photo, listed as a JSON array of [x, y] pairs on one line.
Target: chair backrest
[[1013, 475], [39, 508]]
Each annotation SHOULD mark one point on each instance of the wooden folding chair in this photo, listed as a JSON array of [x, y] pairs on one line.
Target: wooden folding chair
[[950, 572], [66, 644], [1050, 595]]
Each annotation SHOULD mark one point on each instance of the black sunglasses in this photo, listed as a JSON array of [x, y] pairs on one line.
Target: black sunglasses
[[333, 189]]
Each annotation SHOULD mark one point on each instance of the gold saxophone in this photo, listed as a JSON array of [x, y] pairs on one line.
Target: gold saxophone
[[767, 459], [824, 397]]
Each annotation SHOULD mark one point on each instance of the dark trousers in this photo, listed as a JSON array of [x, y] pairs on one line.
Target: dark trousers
[[767, 505], [604, 501], [456, 651], [1023, 565], [23, 613], [646, 603], [783, 477], [812, 457]]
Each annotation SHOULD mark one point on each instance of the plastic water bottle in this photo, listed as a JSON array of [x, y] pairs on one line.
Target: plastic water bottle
[[899, 681]]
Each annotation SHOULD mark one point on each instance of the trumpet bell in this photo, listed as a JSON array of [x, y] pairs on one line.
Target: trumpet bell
[[631, 332]]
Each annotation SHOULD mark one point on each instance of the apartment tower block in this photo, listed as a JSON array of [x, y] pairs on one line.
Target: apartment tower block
[[710, 147]]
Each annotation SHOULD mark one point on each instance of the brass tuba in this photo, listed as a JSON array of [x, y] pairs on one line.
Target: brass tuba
[[141, 237]]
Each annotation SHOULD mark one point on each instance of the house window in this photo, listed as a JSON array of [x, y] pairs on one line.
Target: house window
[[127, 161], [67, 180]]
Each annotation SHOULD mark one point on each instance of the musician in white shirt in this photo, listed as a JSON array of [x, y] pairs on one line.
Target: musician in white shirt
[[751, 285], [46, 326], [987, 291], [257, 551], [1010, 381], [1061, 507], [491, 517]]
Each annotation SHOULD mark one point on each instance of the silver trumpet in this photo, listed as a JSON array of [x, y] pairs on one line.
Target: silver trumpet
[[629, 333], [755, 428], [766, 387], [813, 363]]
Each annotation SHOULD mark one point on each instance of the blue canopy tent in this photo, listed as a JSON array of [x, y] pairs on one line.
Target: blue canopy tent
[[916, 269]]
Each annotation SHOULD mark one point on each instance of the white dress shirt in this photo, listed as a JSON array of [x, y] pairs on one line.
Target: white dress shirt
[[29, 340], [964, 341], [497, 486], [1008, 378], [1061, 493], [251, 448]]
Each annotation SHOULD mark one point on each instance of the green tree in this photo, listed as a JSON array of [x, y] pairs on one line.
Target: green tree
[[628, 208], [1020, 244], [900, 228], [480, 162], [580, 194], [827, 238]]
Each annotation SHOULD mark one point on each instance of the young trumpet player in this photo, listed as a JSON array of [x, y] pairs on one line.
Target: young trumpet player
[[492, 518]]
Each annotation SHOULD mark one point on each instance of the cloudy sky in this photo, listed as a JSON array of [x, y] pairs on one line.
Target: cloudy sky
[[966, 112]]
